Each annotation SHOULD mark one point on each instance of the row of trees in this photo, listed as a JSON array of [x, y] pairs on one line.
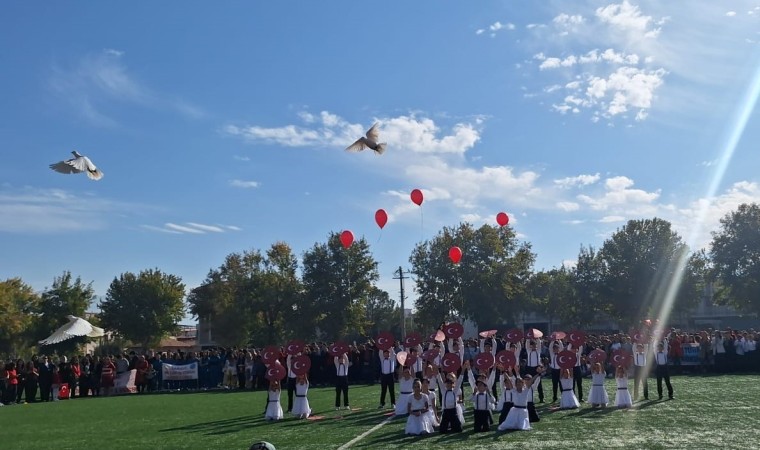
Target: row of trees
[[642, 270]]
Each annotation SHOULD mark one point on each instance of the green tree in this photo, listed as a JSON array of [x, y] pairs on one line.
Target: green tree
[[639, 262], [224, 301], [337, 282], [144, 307], [586, 279], [18, 306], [67, 296], [383, 314], [489, 285], [276, 293], [552, 295], [735, 255]]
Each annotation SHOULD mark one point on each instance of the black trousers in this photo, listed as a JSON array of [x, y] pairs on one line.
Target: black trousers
[[31, 391], [341, 386], [555, 383], [662, 373], [387, 385], [450, 421], [640, 376], [46, 391], [578, 382], [483, 420], [291, 391], [505, 411], [532, 413]]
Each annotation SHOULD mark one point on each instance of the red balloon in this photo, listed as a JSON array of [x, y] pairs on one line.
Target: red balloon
[[417, 197], [502, 219], [381, 218], [347, 238], [455, 254]]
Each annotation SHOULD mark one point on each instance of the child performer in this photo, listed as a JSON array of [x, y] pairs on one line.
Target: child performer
[[301, 407], [622, 394], [530, 383], [417, 407], [567, 400], [274, 408], [341, 380], [452, 407], [387, 371], [432, 412], [482, 401], [517, 418], [597, 396], [506, 382], [405, 386]]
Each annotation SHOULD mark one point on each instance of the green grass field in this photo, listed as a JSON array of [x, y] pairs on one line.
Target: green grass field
[[708, 412]]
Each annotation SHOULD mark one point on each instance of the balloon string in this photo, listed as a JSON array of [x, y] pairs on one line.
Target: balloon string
[[422, 226], [379, 236]]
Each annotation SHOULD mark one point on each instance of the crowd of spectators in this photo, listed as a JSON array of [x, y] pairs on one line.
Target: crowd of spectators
[[44, 378]]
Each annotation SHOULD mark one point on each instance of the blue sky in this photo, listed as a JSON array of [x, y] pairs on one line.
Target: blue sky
[[221, 128]]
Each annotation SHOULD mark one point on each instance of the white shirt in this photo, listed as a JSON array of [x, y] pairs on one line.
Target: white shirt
[[718, 347], [341, 368], [482, 400], [640, 358], [661, 358], [534, 358], [450, 398], [388, 366]]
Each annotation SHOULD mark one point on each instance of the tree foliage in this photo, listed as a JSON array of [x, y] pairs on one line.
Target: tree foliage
[[338, 282], [489, 285], [144, 307], [638, 264], [735, 254], [18, 303]]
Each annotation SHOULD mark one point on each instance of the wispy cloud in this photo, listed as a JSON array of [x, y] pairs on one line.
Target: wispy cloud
[[244, 184], [98, 83], [35, 210], [580, 180], [191, 228], [494, 27]]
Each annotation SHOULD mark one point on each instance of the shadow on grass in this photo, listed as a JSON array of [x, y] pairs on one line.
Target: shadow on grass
[[218, 427]]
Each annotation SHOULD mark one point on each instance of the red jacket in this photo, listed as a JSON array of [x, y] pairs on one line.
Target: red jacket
[[11, 376]]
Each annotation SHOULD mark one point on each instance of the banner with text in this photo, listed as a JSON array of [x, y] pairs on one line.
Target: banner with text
[[179, 372], [124, 383]]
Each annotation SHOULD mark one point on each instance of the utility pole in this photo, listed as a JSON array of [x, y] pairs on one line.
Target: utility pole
[[400, 277]]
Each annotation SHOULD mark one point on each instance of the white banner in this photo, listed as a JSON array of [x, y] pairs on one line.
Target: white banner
[[124, 383], [179, 372]]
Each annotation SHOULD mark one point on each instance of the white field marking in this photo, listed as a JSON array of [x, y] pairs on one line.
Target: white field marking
[[365, 434]]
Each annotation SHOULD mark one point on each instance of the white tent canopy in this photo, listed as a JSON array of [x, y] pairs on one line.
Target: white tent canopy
[[76, 327]]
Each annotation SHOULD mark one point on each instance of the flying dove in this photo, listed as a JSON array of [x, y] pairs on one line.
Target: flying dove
[[370, 141], [78, 164]]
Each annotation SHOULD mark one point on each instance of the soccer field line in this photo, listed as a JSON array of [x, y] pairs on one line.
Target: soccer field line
[[365, 434]]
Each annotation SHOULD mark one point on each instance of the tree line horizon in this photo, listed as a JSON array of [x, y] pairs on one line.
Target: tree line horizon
[[264, 297]]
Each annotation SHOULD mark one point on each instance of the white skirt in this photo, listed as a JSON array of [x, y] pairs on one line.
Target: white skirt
[[432, 418], [517, 419], [301, 406], [402, 404], [460, 413], [598, 396], [418, 424], [623, 398], [568, 400], [274, 411]]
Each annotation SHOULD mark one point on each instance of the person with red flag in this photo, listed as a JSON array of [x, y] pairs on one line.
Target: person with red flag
[[301, 408], [597, 396], [661, 369], [567, 400], [387, 371], [554, 348], [622, 394], [518, 417], [405, 385], [274, 408], [533, 361], [341, 380], [507, 378], [291, 381], [577, 371], [417, 407], [482, 402], [640, 374], [451, 406]]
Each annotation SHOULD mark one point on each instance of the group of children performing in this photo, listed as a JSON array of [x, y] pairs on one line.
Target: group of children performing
[[434, 399]]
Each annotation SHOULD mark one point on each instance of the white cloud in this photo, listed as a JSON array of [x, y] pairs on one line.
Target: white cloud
[[568, 206], [731, 13], [241, 158], [625, 17], [619, 196], [496, 26], [97, 81], [580, 180], [420, 135], [612, 219], [190, 228], [31, 210], [244, 184], [566, 19]]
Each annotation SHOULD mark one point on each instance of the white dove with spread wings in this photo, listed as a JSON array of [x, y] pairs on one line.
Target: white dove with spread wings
[[370, 141], [78, 164]]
